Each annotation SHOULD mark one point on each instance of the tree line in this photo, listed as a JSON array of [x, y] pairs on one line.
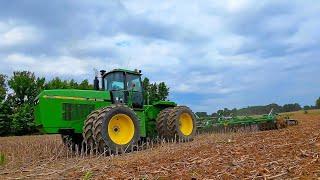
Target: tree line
[[18, 92], [154, 92], [259, 110]]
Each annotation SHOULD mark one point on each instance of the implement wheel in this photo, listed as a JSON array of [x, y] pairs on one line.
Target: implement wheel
[[181, 123], [116, 129], [162, 120], [267, 126]]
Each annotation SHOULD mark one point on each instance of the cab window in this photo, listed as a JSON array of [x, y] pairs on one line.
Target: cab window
[[133, 82], [114, 81]]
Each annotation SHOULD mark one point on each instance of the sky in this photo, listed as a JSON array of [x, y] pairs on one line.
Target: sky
[[212, 54]]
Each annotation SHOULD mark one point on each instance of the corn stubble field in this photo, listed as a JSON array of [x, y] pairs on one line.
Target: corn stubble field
[[277, 154]]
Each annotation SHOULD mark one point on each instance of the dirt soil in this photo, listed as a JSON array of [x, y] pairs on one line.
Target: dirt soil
[[277, 154]]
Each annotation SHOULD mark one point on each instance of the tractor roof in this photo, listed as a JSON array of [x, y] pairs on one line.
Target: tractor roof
[[125, 70]]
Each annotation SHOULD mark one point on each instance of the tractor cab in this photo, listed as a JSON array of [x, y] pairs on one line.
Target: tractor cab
[[124, 86]]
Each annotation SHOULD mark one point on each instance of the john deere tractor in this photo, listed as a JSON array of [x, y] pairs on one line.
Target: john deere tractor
[[112, 116]]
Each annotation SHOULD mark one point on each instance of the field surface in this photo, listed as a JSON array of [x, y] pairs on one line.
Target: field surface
[[277, 154]]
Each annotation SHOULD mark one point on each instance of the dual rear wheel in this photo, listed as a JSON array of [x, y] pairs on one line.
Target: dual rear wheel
[[177, 123]]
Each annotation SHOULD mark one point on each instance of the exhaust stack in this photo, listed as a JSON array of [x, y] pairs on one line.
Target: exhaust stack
[[102, 72]]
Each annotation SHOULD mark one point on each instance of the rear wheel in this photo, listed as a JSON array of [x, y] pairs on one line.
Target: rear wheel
[[116, 129], [162, 120], [181, 123]]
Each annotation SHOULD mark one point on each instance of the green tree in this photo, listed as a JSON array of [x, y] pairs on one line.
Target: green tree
[[146, 89], [291, 107], [307, 107], [25, 86], [73, 84], [5, 109], [23, 120], [220, 112], [5, 118], [163, 91], [258, 110], [202, 114], [233, 112], [226, 112], [56, 83], [3, 89], [153, 93], [85, 85], [318, 103], [214, 114]]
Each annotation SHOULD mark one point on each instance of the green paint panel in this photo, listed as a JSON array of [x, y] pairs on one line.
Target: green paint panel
[[61, 109], [71, 112]]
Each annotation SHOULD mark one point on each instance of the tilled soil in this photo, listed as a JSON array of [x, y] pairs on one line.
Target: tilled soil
[[277, 154]]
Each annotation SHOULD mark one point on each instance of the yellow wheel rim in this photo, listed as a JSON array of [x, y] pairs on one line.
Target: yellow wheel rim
[[186, 124], [121, 129]]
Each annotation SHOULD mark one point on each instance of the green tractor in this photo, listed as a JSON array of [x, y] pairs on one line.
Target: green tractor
[[113, 116]]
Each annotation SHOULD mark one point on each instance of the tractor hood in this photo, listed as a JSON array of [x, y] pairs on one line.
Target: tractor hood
[[74, 94], [66, 109]]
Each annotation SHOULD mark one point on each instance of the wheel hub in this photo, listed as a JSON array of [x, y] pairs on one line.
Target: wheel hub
[[121, 129], [116, 129], [185, 124]]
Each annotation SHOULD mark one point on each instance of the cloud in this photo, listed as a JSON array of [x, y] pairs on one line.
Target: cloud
[[212, 54], [51, 66], [13, 34]]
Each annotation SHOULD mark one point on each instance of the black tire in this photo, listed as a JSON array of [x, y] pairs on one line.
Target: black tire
[[100, 128], [88, 130], [267, 126], [73, 141], [161, 121], [174, 124]]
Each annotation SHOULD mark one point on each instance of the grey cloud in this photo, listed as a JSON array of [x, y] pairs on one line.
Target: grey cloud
[[255, 24], [272, 35], [65, 22]]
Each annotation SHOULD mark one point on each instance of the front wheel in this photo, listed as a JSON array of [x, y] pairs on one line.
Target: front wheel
[[116, 129]]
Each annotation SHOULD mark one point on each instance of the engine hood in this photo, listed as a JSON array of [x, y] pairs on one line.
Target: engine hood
[[76, 94]]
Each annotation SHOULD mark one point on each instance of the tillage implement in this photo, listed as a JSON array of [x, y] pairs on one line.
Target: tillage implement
[[223, 124]]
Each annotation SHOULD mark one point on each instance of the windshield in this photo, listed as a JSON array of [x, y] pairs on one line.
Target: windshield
[[114, 81], [133, 82]]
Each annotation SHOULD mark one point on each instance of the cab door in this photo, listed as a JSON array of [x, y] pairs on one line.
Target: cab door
[[134, 93]]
